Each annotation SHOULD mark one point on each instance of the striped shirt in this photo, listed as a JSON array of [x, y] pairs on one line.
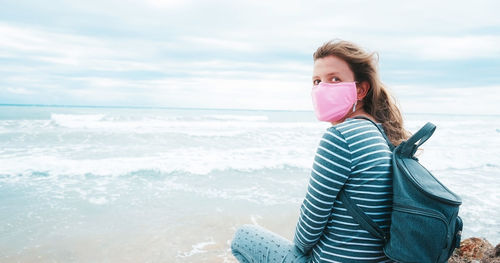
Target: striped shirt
[[351, 155]]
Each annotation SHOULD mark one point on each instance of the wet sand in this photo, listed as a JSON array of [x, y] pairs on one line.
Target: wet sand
[[207, 240]]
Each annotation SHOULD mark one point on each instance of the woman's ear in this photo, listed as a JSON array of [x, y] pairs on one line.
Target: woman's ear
[[363, 89]]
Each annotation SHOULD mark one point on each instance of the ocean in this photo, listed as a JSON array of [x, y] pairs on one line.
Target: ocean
[[97, 184]]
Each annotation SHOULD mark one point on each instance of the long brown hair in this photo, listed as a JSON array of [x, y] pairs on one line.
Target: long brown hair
[[378, 102]]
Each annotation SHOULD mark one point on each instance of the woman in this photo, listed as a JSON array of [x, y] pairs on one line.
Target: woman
[[352, 156]]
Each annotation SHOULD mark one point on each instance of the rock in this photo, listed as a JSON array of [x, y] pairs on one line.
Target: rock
[[492, 255], [476, 250]]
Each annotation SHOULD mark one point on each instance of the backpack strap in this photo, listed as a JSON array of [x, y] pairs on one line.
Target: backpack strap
[[410, 146], [357, 213], [361, 218]]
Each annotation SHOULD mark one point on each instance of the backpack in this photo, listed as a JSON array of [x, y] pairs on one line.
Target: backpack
[[425, 226]]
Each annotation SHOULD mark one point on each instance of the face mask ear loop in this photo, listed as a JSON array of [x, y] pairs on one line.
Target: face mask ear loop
[[356, 102]]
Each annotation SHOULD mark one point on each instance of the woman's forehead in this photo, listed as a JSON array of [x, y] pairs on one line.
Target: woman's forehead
[[331, 65]]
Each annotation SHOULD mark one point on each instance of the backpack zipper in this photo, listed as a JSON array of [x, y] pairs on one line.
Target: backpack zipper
[[417, 210]]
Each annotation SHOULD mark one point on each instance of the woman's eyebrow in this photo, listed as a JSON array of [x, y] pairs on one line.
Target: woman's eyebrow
[[332, 73], [329, 74]]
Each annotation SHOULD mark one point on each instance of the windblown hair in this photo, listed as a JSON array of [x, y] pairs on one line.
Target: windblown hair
[[378, 102]]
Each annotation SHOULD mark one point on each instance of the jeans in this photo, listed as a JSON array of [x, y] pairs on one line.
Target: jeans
[[252, 244]]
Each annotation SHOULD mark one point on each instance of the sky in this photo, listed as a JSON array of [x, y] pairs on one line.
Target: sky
[[435, 56]]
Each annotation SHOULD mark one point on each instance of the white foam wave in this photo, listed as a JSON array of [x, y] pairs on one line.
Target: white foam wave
[[197, 249], [237, 117], [198, 160], [156, 123], [76, 120], [98, 200], [188, 160]]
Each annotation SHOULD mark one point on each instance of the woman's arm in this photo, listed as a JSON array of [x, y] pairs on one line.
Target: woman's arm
[[331, 168]]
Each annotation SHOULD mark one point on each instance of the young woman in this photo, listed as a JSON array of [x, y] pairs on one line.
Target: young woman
[[352, 156]]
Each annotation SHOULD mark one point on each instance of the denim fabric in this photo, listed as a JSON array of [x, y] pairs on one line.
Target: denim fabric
[[252, 244]]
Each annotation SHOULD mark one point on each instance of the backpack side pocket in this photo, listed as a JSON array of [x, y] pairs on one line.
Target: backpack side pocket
[[458, 232], [457, 237], [417, 236]]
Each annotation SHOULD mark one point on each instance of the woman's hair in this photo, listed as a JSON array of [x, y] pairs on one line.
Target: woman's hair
[[378, 102]]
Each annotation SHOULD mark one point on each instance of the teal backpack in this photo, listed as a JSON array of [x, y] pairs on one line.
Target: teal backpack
[[425, 226]]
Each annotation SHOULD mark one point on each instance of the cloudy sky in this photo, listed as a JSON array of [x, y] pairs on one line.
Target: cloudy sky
[[436, 56]]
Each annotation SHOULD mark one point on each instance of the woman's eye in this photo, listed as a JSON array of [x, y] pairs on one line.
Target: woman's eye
[[316, 82], [335, 79]]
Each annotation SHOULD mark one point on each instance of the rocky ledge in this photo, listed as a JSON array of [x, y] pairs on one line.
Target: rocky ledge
[[476, 250]]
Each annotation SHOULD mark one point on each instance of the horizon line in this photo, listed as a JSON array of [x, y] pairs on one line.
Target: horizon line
[[211, 109], [136, 107]]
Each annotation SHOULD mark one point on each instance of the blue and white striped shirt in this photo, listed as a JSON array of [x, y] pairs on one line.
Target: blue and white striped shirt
[[351, 155]]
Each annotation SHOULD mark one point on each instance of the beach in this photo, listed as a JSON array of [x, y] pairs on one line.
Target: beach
[[104, 184]]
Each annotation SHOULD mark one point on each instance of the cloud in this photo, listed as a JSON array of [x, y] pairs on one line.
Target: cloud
[[439, 48], [464, 100], [218, 43], [231, 53], [19, 91], [166, 3]]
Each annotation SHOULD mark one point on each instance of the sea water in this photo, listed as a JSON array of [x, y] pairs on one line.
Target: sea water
[[93, 184]]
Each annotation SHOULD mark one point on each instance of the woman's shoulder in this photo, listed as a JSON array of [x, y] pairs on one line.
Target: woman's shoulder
[[353, 136], [354, 128], [353, 124], [339, 133]]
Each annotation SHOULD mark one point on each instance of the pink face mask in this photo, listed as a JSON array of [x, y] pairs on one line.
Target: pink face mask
[[332, 101]]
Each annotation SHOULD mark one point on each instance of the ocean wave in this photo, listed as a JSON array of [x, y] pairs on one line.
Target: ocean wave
[[30, 174], [196, 249], [472, 167], [128, 170], [75, 120], [152, 124], [174, 162], [144, 185], [229, 117]]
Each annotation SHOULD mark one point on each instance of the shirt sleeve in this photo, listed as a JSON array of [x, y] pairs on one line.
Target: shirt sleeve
[[330, 170]]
